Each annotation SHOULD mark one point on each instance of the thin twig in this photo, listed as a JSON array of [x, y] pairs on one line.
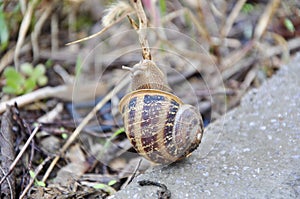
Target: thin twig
[[20, 154], [83, 123], [51, 115], [130, 178], [34, 96]]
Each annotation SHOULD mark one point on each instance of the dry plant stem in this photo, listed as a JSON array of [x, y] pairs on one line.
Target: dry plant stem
[[133, 174], [23, 30], [36, 172], [51, 115], [37, 31], [202, 30], [35, 96], [231, 18], [204, 57], [185, 11], [238, 67], [205, 32], [9, 56], [236, 56], [210, 20], [67, 78], [101, 31], [54, 33], [291, 45], [265, 18], [142, 31], [21, 153], [83, 123]]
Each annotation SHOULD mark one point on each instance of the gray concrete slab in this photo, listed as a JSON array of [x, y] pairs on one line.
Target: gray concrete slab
[[251, 152]]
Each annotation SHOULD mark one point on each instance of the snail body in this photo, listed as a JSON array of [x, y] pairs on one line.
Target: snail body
[[158, 124]]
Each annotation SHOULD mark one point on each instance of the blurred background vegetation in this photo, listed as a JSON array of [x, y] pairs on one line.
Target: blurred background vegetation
[[212, 52]]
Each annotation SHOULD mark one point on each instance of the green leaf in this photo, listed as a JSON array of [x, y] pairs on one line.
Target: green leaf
[[42, 81], [64, 136], [247, 8], [13, 83], [116, 133], [11, 73], [49, 63], [78, 66], [289, 25], [36, 182], [100, 186], [32, 174], [9, 90], [112, 182], [26, 68], [29, 85], [39, 183], [4, 32], [14, 86], [38, 71], [105, 187]]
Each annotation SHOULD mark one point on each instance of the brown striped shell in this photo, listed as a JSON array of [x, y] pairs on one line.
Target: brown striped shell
[[159, 126]]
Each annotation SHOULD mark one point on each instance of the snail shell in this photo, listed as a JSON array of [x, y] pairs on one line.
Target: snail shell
[[159, 125]]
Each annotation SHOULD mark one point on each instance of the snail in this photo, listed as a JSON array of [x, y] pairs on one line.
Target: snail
[[158, 124]]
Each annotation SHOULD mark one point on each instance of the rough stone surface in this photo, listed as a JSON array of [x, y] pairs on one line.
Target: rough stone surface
[[252, 152]]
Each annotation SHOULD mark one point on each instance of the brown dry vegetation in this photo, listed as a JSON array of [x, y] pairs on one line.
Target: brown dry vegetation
[[65, 139]]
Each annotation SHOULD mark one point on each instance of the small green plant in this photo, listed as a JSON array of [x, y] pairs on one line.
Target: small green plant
[[163, 7], [36, 182], [105, 187], [247, 8], [289, 25], [26, 80]]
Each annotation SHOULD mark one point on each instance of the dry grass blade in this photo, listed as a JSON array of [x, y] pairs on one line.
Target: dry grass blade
[[114, 12], [37, 30], [231, 18], [265, 18], [236, 56], [84, 123], [111, 18], [133, 174], [23, 30]]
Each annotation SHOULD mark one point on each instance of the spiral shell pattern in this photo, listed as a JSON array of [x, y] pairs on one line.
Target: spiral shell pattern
[[159, 126]]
